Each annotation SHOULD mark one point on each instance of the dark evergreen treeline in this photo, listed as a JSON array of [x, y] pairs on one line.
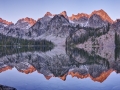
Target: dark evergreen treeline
[[10, 45], [117, 53], [8, 40], [9, 50], [117, 39], [90, 33], [90, 58]]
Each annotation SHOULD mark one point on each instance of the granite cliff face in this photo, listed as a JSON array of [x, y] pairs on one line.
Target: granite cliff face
[[90, 37], [4, 24], [98, 32], [49, 25], [80, 18], [116, 27], [81, 29], [103, 15], [64, 13], [54, 29], [19, 28], [40, 26], [95, 19], [25, 23]]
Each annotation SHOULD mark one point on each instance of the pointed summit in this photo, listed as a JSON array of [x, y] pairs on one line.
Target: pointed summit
[[5, 22], [30, 69], [99, 78], [103, 15], [5, 68], [28, 20], [100, 12], [64, 13], [78, 16], [48, 14]]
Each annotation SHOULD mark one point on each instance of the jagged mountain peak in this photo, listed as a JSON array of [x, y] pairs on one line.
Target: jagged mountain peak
[[64, 13], [100, 11], [58, 17], [28, 70], [100, 78], [28, 20], [5, 22], [48, 14], [78, 16], [103, 15], [83, 14], [5, 68]]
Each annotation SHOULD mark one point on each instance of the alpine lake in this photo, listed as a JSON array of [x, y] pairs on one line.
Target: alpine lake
[[59, 68]]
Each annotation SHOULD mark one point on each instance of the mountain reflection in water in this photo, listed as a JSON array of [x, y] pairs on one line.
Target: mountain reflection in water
[[76, 62]]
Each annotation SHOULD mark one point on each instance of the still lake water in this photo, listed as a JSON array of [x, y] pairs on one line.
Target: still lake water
[[60, 69]]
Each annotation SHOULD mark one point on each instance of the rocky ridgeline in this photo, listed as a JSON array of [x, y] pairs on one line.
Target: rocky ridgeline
[[83, 30]]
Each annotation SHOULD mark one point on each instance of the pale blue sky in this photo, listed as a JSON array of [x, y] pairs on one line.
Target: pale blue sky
[[12, 10]]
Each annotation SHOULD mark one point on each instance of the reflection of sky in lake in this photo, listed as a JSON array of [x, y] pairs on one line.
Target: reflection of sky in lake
[[36, 81]]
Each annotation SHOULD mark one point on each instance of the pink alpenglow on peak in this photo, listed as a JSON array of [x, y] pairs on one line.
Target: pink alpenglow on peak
[[48, 14], [29, 20], [103, 15], [5, 22], [78, 16], [64, 13]]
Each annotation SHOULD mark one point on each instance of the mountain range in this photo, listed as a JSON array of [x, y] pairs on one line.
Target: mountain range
[[81, 29]]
